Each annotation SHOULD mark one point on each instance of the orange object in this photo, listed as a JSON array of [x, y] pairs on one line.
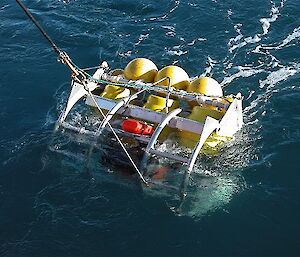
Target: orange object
[[160, 173], [136, 127]]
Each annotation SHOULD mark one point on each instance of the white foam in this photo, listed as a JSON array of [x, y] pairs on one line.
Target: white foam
[[240, 45], [125, 54], [289, 38], [235, 43], [266, 22], [242, 72], [251, 93], [191, 43], [211, 64], [4, 6], [212, 194], [142, 37], [171, 28], [271, 80], [176, 52], [177, 3], [239, 41], [279, 75], [235, 39], [282, 2], [251, 40]]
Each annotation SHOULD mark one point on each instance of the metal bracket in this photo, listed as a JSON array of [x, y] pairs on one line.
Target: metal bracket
[[160, 127], [78, 91], [209, 126]]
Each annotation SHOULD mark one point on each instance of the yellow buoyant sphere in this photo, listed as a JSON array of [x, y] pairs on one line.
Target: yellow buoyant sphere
[[140, 69], [178, 77], [206, 86]]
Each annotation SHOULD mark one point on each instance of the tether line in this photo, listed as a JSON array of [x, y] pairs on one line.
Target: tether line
[[54, 46]]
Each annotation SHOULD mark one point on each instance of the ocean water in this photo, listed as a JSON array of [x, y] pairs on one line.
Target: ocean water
[[244, 202]]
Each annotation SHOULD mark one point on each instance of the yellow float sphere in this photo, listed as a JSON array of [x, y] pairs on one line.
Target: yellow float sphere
[[206, 86], [140, 69], [178, 77]]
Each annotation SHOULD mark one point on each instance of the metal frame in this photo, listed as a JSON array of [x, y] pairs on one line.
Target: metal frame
[[227, 126], [148, 115]]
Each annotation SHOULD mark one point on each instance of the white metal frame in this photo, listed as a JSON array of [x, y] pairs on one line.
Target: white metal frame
[[230, 123]]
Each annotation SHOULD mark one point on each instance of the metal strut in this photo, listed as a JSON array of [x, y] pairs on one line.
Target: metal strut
[[125, 101], [160, 127], [209, 126]]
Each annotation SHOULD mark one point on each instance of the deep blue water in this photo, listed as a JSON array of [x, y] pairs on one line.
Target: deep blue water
[[248, 205]]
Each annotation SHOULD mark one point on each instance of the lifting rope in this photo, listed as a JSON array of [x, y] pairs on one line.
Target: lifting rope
[[54, 46]]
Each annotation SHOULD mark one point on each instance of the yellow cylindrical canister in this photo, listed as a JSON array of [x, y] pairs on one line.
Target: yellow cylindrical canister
[[158, 103], [116, 72], [199, 113], [115, 92]]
